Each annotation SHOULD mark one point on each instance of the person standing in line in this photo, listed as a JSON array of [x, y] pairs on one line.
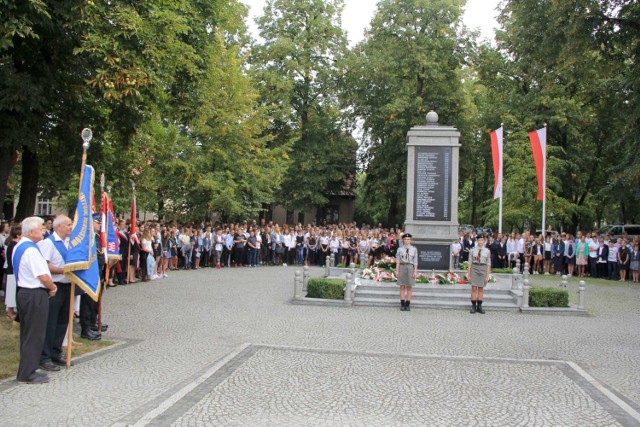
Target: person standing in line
[[10, 291], [54, 250], [456, 249], [634, 262], [35, 287], [478, 274], [407, 270]]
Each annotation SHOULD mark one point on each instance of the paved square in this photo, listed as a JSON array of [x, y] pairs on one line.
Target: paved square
[[267, 385], [191, 357]]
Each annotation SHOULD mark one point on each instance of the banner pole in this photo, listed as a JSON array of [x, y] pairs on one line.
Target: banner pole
[[106, 224], [544, 184], [86, 135], [501, 183]]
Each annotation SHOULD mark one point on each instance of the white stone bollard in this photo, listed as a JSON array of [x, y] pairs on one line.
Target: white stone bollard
[[297, 285], [564, 281], [347, 288], [582, 287], [525, 271], [327, 266], [305, 277], [525, 294]]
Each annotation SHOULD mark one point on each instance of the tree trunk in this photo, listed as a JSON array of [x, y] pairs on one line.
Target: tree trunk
[[8, 158], [28, 184]]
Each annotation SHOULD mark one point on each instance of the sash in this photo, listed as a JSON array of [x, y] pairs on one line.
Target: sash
[[59, 244], [18, 251]]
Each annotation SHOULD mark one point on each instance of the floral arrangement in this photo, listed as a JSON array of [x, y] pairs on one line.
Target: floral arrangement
[[386, 263]]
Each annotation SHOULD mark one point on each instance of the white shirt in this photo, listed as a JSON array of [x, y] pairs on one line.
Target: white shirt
[[52, 255], [520, 246], [32, 265], [593, 249], [456, 248], [613, 254]]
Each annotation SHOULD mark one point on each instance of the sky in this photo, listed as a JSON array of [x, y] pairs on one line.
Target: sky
[[357, 14]]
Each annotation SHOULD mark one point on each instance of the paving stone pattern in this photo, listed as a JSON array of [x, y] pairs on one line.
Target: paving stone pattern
[[177, 328]]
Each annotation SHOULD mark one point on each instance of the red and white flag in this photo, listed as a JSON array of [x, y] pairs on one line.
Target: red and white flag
[[538, 140], [496, 153], [134, 219]]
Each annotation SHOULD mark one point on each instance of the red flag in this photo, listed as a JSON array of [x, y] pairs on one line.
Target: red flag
[[538, 140], [496, 152], [134, 218]]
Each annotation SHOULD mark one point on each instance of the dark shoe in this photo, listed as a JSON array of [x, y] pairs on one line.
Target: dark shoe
[[35, 378], [480, 309], [407, 307], [49, 366], [91, 335], [61, 361], [104, 328], [402, 305], [473, 307]]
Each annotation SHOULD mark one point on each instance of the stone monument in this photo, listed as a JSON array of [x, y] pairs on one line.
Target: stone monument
[[432, 192]]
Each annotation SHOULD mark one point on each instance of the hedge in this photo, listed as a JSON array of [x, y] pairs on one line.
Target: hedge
[[325, 288], [548, 297]]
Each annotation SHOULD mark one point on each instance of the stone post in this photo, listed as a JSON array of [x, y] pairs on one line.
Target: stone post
[[525, 271], [297, 285], [333, 261], [563, 283], [515, 274], [363, 262], [352, 271], [582, 287], [347, 288], [518, 264], [327, 266], [525, 294], [305, 277]]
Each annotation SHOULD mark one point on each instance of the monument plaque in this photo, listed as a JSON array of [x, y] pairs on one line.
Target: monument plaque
[[432, 184], [433, 256]]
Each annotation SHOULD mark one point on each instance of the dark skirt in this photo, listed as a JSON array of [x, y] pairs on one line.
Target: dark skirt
[[405, 275]]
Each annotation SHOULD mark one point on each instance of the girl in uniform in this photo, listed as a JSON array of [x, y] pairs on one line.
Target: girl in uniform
[[406, 269], [478, 274]]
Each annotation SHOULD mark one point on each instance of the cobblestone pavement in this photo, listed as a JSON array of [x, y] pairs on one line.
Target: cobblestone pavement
[[224, 347]]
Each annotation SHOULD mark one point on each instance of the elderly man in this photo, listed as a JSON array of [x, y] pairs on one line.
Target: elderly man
[[54, 250], [35, 286]]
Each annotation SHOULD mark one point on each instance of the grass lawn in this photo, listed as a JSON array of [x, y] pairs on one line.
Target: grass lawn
[[10, 345]]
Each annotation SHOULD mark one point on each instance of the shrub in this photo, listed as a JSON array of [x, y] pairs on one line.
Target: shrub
[[502, 270], [325, 288], [548, 297]]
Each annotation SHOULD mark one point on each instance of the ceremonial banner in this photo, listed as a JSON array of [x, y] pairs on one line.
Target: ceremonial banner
[[113, 243], [538, 140], [496, 152], [81, 264]]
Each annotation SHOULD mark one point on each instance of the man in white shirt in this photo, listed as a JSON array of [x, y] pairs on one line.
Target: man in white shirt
[[593, 255], [520, 249], [456, 248], [35, 286], [54, 250]]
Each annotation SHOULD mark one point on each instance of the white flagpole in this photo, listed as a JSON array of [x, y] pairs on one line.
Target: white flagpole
[[501, 183], [544, 184]]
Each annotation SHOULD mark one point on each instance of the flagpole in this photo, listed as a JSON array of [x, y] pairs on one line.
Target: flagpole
[[544, 184], [133, 190], [501, 183], [86, 135], [106, 224]]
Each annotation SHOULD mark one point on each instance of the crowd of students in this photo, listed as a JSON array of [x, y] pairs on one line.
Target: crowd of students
[[585, 254], [159, 248]]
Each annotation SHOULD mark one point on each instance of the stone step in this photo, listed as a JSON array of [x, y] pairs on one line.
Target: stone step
[[435, 303], [432, 293]]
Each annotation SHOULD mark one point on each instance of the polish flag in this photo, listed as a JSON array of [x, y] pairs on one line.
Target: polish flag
[[538, 140], [496, 152]]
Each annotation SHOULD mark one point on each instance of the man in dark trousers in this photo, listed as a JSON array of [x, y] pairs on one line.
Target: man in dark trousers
[[35, 287], [88, 307], [54, 250]]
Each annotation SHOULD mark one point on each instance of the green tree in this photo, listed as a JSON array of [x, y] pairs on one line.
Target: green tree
[[299, 65], [410, 60]]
